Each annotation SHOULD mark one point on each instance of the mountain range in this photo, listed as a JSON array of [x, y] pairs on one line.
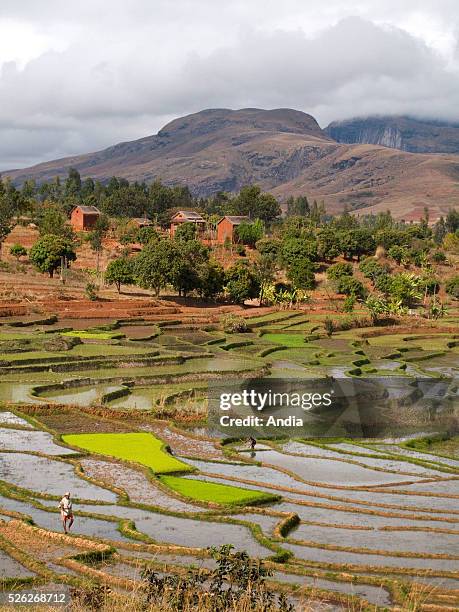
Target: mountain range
[[362, 164]]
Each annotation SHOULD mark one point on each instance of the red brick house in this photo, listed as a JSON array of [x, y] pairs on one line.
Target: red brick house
[[83, 218], [187, 216], [226, 227]]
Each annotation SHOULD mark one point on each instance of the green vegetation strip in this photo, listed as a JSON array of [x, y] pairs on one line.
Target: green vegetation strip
[[96, 335], [217, 493], [141, 448]]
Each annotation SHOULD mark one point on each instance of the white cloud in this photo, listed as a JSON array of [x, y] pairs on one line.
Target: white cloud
[[75, 79]]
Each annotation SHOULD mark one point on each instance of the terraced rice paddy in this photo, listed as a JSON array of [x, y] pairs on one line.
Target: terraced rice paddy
[[119, 420]]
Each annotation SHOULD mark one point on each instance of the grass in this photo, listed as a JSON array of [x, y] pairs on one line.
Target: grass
[[201, 490], [143, 448]]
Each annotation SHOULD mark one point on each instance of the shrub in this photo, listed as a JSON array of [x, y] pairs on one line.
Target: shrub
[[240, 250], [232, 324], [452, 286], [438, 257], [351, 286], [371, 268], [349, 303], [91, 292], [17, 250], [329, 326], [338, 270], [398, 253]]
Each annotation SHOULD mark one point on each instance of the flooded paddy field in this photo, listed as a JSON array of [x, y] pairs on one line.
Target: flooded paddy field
[[371, 495]]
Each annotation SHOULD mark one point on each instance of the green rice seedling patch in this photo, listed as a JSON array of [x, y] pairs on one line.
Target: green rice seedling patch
[[93, 334], [273, 316], [201, 490], [143, 448], [289, 340]]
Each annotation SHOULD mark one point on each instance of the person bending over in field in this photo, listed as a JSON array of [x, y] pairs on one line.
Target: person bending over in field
[[65, 506]]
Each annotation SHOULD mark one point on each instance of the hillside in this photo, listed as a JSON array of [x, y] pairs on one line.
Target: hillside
[[405, 133], [282, 150]]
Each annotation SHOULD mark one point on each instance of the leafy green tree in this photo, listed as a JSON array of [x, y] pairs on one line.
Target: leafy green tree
[[298, 206], [49, 251], [120, 272], [52, 220], [186, 231], [439, 231], [152, 268], [147, 234], [328, 244], [252, 202], [348, 285], [184, 267], [266, 270], [398, 253], [250, 233], [452, 221], [356, 242], [298, 249], [269, 246], [452, 286], [73, 183], [451, 243], [11, 204], [301, 273], [241, 282], [211, 279], [338, 270], [17, 250], [372, 268]]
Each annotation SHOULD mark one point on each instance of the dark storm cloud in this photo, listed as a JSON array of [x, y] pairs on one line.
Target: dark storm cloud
[[117, 71]]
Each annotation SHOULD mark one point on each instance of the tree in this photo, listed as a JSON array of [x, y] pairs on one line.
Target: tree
[[211, 279], [50, 251], [250, 233], [252, 202], [241, 282], [120, 272], [152, 268], [11, 204], [452, 286], [348, 285], [186, 231], [301, 273], [266, 269], [298, 248], [268, 246], [73, 183], [338, 270], [17, 250], [298, 206], [405, 288], [52, 220], [357, 242], [184, 265], [328, 244], [451, 243], [147, 234], [452, 220]]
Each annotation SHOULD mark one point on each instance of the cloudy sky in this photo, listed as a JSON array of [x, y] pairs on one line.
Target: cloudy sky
[[78, 76]]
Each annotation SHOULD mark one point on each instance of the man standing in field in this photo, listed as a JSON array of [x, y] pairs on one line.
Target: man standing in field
[[65, 506]]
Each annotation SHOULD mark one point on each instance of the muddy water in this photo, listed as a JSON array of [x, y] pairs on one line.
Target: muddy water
[[340, 557], [187, 532], [359, 519], [10, 568], [39, 441], [17, 392], [52, 521], [138, 487], [48, 476], [372, 462], [266, 522], [394, 541], [80, 396], [328, 471], [393, 448], [446, 487], [9, 418], [375, 595]]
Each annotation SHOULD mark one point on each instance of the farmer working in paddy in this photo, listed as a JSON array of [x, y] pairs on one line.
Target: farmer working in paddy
[[65, 506]]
